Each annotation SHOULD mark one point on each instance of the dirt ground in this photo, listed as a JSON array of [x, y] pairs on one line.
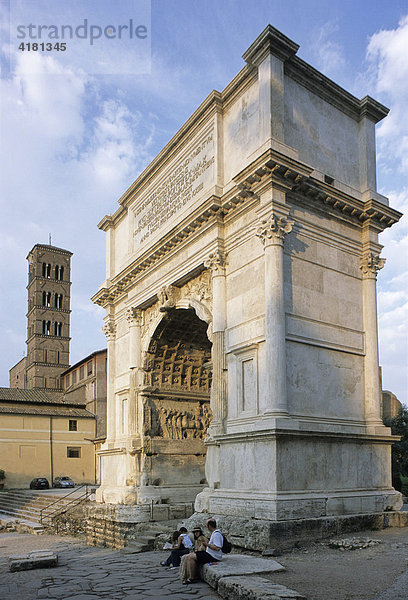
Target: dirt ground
[[323, 573]]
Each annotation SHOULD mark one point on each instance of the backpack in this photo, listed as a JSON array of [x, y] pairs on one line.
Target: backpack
[[226, 546]]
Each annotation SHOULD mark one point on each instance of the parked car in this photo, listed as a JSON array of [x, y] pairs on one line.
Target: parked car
[[39, 483], [63, 482]]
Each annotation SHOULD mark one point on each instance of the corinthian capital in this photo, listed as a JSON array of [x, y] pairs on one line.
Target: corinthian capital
[[134, 316], [216, 262], [371, 263], [273, 230], [109, 329]]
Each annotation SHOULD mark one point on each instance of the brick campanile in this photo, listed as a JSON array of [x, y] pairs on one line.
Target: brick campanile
[[48, 316]]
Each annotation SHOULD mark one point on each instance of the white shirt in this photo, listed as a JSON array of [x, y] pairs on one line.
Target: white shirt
[[186, 542], [216, 539]]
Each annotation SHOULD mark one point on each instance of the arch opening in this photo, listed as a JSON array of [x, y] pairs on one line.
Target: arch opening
[[177, 406]]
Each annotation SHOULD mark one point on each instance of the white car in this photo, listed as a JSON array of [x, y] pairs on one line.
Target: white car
[[63, 482]]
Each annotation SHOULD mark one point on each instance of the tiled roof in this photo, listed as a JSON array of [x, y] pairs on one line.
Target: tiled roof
[[57, 411], [33, 396]]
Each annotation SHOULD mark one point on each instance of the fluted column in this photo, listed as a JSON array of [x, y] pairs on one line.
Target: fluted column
[[370, 264], [134, 318], [216, 263], [272, 232], [109, 330]]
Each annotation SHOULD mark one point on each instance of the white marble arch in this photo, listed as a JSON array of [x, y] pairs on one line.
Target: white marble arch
[[287, 223]]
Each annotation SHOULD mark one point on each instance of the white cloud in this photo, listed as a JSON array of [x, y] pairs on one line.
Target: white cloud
[[393, 301], [329, 53], [67, 154], [387, 53]]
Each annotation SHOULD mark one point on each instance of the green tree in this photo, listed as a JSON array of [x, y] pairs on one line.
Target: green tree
[[399, 426]]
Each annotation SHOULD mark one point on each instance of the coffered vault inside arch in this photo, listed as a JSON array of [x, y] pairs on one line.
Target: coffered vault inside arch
[[177, 404], [179, 355]]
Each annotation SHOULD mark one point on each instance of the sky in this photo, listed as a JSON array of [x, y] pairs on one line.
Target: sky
[[78, 126]]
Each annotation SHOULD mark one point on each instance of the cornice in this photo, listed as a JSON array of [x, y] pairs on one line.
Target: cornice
[[291, 175], [106, 223], [44, 364], [48, 308], [48, 337], [49, 248], [346, 437], [270, 41], [310, 78], [46, 279], [271, 168]]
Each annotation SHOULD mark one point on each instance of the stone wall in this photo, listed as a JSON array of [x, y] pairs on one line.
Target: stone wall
[[116, 525], [264, 535]]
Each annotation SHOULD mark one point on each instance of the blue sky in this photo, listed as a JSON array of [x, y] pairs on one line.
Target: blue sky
[[73, 138]]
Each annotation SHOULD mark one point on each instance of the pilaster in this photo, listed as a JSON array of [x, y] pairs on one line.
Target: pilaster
[[109, 329], [134, 318]]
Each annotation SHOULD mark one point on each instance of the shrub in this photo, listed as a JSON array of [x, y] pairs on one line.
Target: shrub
[[399, 426]]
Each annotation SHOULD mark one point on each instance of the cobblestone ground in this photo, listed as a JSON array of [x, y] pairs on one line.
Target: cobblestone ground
[[89, 573]]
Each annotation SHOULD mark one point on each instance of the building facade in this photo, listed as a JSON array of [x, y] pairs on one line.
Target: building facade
[[240, 300], [18, 374], [43, 435], [390, 405], [85, 383]]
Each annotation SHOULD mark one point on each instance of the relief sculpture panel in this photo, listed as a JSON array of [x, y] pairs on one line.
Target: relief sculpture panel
[[176, 419]]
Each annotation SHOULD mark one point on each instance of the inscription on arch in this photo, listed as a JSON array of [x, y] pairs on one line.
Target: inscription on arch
[[184, 181]]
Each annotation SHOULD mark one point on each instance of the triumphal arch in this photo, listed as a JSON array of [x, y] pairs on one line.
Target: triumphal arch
[[240, 301]]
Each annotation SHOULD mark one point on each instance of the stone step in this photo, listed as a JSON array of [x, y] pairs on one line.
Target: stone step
[[135, 548], [30, 499], [146, 539], [31, 505], [20, 513], [146, 535], [21, 525]]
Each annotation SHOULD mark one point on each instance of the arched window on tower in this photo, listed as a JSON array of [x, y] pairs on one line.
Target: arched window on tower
[[58, 329], [58, 300], [59, 272], [46, 270], [46, 327], [46, 299]]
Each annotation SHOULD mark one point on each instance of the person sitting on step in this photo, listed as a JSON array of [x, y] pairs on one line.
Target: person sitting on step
[[199, 540], [182, 547], [212, 553]]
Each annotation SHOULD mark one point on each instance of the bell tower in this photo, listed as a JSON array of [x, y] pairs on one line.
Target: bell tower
[[48, 326]]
